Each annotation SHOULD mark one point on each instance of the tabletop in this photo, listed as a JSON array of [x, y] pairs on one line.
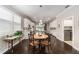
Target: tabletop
[[11, 38], [42, 36]]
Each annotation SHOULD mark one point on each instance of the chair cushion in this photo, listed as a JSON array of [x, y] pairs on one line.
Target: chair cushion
[[34, 43], [45, 43]]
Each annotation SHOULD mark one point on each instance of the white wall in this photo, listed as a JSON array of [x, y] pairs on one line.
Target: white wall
[[53, 24], [58, 32], [71, 11], [76, 32]]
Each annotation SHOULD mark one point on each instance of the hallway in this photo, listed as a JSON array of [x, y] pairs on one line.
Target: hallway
[[59, 48]]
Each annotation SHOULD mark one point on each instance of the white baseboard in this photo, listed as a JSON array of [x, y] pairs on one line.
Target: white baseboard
[[76, 48], [71, 44]]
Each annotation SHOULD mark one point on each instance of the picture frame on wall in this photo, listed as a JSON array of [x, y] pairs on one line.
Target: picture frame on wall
[[53, 28]]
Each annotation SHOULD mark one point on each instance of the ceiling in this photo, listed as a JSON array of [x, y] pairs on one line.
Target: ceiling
[[38, 12]]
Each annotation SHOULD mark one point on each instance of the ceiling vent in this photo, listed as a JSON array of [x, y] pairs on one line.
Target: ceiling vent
[[41, 5], [67, 6]]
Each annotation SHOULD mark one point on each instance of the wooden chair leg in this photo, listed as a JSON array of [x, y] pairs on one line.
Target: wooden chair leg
[[51, 48], [33, 49], [48, 48], [30, 48]]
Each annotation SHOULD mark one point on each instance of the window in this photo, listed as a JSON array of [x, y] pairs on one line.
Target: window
[[9, 22], [17, 23], [5, 21]]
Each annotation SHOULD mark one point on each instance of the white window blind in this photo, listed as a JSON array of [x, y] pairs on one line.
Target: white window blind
[[17, 23], [9, 22]]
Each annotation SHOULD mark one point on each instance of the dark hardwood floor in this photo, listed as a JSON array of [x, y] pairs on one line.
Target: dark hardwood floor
[[59, 48]]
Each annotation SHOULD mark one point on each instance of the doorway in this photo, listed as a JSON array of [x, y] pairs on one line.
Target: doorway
[[68, 30], [68, 33]]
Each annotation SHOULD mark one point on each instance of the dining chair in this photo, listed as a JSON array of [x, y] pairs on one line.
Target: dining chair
[[47, 42], [32, 42], [53, 43]]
